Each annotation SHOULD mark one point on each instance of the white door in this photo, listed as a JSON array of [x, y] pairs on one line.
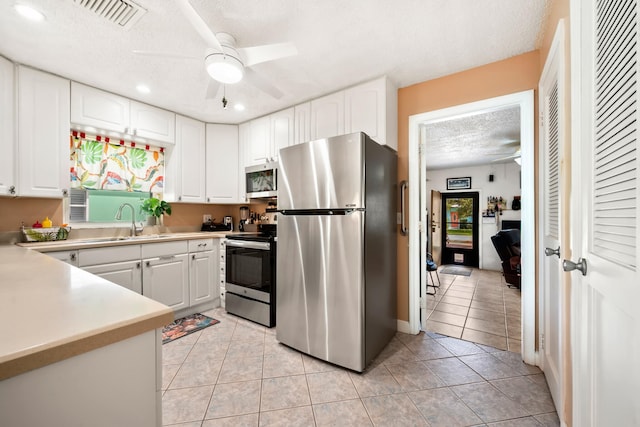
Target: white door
[[152, 122], [605, 314], [7, 119], [282, 124], [551, 181], [222, 179], [327, 116]]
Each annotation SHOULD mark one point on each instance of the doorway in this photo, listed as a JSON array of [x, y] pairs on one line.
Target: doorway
[[460, 229], [418, 209]]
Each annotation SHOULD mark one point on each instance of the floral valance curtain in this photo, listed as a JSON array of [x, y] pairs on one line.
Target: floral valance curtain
[[100, 165]]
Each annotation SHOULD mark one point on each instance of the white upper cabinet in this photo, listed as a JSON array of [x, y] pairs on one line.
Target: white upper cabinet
[[119, 116], [190, 146], [282, 131], [153, 123], [327, 116], [7, 142], [222, 164], [302, 129], [258, 149], [43, 134], [372, 108]]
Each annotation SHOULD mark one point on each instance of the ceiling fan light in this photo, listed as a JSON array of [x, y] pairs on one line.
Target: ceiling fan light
[[224, 68]]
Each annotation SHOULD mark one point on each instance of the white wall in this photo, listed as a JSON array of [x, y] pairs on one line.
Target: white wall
[[506, 184]]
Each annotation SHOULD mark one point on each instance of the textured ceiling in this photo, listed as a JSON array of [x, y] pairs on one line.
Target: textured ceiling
[[486, 137], [340, 43]]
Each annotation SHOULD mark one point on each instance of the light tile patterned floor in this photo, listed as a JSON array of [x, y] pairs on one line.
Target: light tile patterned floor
[[235, 373], [479, 308]]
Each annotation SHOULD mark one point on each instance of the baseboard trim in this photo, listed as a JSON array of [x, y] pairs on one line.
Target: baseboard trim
[[404, 326]]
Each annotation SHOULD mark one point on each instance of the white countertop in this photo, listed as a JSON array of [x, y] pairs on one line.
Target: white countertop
[[98, 242], [51, 311]]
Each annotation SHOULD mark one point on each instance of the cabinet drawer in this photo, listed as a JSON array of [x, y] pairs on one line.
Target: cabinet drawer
[[153, 250], [108, 255], [200, 245]]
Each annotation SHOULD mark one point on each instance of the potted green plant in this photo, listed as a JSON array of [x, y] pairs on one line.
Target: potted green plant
[[154, 208]]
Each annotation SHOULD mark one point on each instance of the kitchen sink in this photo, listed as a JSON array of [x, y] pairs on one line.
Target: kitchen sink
[[124, 238]]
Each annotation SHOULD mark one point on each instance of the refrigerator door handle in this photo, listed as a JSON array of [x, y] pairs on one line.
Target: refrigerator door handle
[[314, 212], [403, 189]]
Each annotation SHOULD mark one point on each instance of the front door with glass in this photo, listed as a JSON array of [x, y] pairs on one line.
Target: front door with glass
[[460, 229]]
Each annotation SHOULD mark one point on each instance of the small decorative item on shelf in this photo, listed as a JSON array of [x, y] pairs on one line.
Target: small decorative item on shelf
[[155, 208], [515, 205]]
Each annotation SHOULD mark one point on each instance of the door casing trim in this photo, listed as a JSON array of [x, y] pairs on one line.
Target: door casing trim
[[525, 100]]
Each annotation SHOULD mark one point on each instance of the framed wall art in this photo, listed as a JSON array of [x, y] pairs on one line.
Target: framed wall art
[[463, 183]]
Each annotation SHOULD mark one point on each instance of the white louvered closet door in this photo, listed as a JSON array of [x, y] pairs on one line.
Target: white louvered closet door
[[606, 300], [552, 180]]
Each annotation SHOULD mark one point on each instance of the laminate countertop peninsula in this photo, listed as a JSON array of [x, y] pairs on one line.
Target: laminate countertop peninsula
[[51, 311]]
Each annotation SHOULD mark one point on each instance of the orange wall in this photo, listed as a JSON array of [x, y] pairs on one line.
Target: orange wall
[[14, 211], [512, 75]]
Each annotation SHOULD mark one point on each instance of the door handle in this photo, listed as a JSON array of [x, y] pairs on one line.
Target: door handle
[[581, 265], [403, 225], [550, 252]]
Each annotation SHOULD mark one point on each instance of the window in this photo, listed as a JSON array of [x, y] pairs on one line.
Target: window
[[104, 175]]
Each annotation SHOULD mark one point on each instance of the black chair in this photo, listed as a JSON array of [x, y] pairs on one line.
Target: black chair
[[431, 267], [507, 244]]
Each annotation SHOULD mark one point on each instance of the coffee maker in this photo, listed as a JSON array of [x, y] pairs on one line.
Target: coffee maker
[[244, 217], [228, 221]]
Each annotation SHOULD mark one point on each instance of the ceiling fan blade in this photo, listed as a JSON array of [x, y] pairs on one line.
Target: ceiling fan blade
[[212, 89], [165, 54], [268, 52], [258, 81], [198, 23]]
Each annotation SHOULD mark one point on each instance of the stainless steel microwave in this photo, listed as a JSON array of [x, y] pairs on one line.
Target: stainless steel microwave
[[262, 180]]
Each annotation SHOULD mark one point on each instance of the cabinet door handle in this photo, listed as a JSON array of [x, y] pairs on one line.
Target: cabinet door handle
[[193, 256], [72, 257], [137, 265], [148, 263], [12, 190]]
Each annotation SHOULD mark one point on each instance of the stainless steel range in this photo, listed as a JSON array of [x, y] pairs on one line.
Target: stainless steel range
[[251, 275]]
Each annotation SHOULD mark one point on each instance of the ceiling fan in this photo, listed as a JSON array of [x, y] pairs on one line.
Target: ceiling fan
[[514, 156], [226, 63]]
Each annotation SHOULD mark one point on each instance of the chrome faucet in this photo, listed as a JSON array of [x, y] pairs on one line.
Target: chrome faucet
[[135, 230]]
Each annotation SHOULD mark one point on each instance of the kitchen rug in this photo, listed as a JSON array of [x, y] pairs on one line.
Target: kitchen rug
[[185, 326], [459, 271]]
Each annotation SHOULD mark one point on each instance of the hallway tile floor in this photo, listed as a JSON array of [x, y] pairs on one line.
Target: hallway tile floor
[[480, 308], [235, 373]]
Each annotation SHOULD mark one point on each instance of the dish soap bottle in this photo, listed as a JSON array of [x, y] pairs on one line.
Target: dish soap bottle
[[47, 223]]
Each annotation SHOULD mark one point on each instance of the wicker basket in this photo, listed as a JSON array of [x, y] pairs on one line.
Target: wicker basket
[[45, 234]]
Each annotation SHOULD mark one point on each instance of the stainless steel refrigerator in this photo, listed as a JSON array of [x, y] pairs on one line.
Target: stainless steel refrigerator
[[336, 262]]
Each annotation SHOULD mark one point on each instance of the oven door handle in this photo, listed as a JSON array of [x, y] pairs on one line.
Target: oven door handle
[[249, 245]]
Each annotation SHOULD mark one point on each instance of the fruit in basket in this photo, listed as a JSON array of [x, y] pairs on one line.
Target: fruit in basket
[[36, 225], [62, 234]]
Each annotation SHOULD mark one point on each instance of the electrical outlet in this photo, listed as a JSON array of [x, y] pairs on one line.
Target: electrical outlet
[[206, 218]]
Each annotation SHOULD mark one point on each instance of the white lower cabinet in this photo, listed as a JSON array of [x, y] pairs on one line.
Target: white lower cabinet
[[70, 257], [165, 273], [181, 274], [202, 272], [126, 274], [117, 264]]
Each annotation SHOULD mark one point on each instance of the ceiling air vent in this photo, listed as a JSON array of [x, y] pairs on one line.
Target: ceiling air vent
[[123, 13]]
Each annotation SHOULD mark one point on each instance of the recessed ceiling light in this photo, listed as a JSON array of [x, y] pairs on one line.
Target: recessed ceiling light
[[143, 88], [239, 107], [29, 12]]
